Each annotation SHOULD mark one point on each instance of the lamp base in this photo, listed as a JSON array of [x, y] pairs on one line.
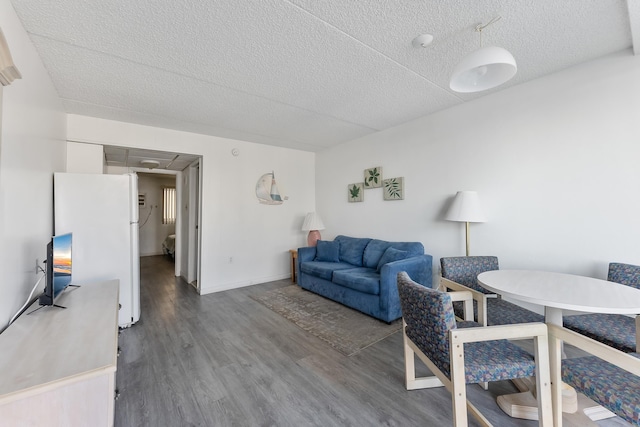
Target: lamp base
[[312, 239]]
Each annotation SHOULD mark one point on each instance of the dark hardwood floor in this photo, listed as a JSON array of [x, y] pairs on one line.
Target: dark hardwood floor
[[225, 360]]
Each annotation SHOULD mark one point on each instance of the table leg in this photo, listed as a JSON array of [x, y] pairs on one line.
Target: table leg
[[294, 259]]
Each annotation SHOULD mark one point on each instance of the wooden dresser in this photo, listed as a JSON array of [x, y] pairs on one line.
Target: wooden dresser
[[58, 366]]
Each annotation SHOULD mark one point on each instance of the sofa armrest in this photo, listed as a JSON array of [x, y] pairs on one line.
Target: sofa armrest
[[419, 268], [308, 253], [304, 254]]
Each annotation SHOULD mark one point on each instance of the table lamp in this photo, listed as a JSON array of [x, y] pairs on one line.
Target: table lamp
[[312, 223], [466, 208]]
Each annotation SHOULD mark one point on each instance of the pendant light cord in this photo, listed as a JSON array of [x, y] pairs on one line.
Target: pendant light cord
[[481, 27]]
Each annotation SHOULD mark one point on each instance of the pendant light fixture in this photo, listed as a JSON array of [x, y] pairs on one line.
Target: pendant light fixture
[[484, 68]]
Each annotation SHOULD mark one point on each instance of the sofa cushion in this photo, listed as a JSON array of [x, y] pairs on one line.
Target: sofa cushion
[[390, 255], [328, 251], [352, 249], [362, 279], [374, 250], [323, 270]]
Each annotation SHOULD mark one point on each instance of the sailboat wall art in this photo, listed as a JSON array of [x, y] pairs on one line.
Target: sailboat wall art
[[267, 190]]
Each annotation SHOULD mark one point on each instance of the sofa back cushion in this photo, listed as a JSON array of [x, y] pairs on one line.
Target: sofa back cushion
[[352, 249], [374, 250]]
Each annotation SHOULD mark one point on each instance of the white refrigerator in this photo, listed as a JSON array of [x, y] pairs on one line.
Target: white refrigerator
[[102, 213]]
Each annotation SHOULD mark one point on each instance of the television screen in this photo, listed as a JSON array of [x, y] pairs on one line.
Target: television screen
[[58, 271], [61, 263]]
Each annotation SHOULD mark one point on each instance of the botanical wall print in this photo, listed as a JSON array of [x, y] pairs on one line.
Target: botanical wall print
[[393, 189], [356, 192], [373, 177]]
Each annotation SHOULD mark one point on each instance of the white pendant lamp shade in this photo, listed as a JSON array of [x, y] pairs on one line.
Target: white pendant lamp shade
[[483, 69], [466, 208]]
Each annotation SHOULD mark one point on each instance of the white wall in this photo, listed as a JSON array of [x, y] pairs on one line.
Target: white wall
[[32, 147], [152, 231], [555, 162], [85, 158], [243, 242]]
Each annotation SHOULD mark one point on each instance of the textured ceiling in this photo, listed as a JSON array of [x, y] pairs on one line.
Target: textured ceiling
[[305, 74]]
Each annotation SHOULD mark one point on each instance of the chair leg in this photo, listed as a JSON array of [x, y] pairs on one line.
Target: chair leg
[[638, 333], [543, 381], [409, 362], [410, 380], [555, 354], [458, 385]]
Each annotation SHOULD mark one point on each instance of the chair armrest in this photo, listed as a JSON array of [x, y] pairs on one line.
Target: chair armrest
[[467, 298], [488, 333], [480, 298], [537, 331], [461, 296]]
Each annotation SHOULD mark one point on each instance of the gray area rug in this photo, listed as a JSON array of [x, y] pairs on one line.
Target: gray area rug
[[343, 328]]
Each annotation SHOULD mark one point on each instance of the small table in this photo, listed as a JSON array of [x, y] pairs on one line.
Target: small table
[[294, 260], [559, 291]]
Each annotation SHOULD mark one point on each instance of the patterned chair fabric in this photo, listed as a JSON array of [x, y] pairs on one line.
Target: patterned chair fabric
[[627, 274], [615, 330], [501, 312], [429, 316], [465, 270], [611, 386]]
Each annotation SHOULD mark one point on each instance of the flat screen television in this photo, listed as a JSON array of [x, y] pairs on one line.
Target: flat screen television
[[58, 268]]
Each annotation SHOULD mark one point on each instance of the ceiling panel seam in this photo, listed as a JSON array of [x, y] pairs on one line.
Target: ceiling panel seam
[[208, 82], [375, 50], [194, 123]]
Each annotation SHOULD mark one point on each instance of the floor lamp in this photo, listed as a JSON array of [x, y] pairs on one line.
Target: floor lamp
[[466, 208]]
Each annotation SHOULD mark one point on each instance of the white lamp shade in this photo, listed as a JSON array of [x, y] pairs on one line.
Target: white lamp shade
[[483, 69], [466, 208], [312, 222]]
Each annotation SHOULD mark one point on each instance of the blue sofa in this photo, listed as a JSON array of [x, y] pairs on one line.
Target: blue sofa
[[361, 273]]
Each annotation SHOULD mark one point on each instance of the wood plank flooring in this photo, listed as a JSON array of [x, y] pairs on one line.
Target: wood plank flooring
[[225, 360]]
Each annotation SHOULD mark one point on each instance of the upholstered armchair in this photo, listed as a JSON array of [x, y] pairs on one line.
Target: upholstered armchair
[[616, 330], [462, 355], [606, 375], [461, 273]]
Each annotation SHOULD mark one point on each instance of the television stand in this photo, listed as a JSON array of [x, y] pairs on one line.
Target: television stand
[[43, 306], [58, 366]]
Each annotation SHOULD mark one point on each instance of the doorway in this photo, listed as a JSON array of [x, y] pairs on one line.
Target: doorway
[[193, 232], [186, 171]]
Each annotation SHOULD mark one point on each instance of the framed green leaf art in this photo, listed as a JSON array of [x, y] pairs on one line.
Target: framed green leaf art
[[393, 189], [373, 177], [356, 192]]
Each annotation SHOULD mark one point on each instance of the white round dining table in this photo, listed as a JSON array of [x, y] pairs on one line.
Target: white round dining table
[[560, 291]]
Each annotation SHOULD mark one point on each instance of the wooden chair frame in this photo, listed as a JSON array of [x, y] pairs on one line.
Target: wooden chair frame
[[558, 335], [457, 384], [479, 297]]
